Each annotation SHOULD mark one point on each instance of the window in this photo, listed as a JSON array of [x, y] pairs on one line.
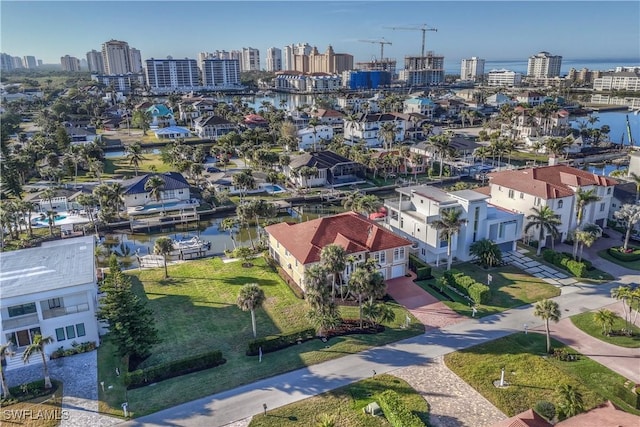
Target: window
[[601, 207], [537, 201], [54, 303], [609, 190], [381, 258], [511, 194], [80, 329], [521, 195], [286, 252], [398, 254], [560, 204], [60, 334], [71, 333], [21, 310]]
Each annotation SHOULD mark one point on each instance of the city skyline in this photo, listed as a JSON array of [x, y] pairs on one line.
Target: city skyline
[[465, 29]]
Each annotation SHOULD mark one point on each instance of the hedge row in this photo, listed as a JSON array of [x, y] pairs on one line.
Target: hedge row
[[625, 257], [626, 395], [396, 412], [566, 262], [421, 268], [478, 292], [278, 342], [143, 377]]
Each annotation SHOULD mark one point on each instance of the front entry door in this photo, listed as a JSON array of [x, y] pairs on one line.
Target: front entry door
[[23, 338]]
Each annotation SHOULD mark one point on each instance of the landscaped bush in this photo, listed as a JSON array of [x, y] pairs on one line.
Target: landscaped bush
[[28, 391], [618, 254], [566, 262], [628, 396], [278, 342], [545, 409], [478, 292], [143, 377], [576, 268], [76, 349], [396, 412], [421, 268]]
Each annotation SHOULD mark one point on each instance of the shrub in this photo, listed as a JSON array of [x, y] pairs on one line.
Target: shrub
[[566, 262], [628, 396], [479, 293], [545, 409], [549, 255], [622, 256], [396, 412], [143, 377], [76, 349], [278, 342], [423, 273], [421, 268], [576, 268]]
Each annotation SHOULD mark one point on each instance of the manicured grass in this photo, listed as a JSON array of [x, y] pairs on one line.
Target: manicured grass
[[346, 405], [585, 323], [121, 166], [510, 287], [195, 311], [632, 265], [44, 411], [594, 276], [532, 377]]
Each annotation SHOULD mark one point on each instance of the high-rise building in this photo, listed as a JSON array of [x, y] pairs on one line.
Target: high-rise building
[[95, 62], [294, 49], [29, 62], [120, 82], [116, 57], [220, 73], [504, 77], [250, 59], [423, 70], [6, 62], [472, 69], [316, 62], [17, 62], [39, 62], [274, 59], [543, 65], [136, 60], [164, 75], [70, 63]]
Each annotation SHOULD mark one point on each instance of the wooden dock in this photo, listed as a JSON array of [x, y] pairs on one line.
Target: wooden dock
[[160, 222]]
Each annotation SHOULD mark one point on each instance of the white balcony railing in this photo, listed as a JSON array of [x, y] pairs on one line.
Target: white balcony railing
[[63, 311]]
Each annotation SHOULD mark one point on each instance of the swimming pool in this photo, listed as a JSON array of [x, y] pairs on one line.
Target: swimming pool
[[273, 188]]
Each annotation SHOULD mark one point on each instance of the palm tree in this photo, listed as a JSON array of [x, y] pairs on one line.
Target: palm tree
[[314, 123], [546, 220], [441, 145], [547, 310], [583, 199], [448, 225], [605, 319], [134, 154], [624, 294], [570, 401], [487, 252], [636, 179], [163, 246], [5, 350], [558, 146], [155, 185], [367, 204], [334, 258], [37, 346], [387, 133], [587, 237], [366, 282], [251, 296], [629, 215], [378, 313]]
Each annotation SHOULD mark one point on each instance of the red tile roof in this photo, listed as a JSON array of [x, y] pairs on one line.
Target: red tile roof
[[525, 419], [483, 190], [350, 230], [605, 415], [548, 182]]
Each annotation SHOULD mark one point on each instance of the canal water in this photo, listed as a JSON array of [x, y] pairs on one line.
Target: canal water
[[617, 122]]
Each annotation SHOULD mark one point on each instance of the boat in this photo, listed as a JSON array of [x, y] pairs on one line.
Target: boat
[[191, 244]]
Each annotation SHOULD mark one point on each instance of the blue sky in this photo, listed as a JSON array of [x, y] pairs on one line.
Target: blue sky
[[496, 31]]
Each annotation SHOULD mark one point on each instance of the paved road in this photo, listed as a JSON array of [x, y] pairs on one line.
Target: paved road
[[242, 402]]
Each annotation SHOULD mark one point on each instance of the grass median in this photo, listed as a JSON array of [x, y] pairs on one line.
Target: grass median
[[585, 323]]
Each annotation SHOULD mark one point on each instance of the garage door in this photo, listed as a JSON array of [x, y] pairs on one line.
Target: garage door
[[397, 271]]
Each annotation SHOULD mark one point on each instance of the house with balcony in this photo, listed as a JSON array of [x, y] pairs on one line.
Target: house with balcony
[[332, 118], [332, 170], [213, 127], [366, 127], [49, 290], [554, 186], [161, 116], [312, 137], [423, 106], [413, 214], [297, 246]]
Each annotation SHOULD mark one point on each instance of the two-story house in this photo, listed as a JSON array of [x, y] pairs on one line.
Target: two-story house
[[49, 290], [366, 127], [553, 186], [213, 127], [174, 194], [414, 213], [314, 137], [297, 246]]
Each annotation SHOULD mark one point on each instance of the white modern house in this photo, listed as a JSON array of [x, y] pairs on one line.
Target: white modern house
[[553, 186], [49, 290], [367, 127], [312, 137], [413, 214], [423, 106]]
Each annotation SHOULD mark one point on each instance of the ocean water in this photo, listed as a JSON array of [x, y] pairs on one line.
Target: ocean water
[[520, 65]]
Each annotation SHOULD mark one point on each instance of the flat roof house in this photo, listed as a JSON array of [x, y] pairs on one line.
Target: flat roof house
[[296, 246], [49, 290]]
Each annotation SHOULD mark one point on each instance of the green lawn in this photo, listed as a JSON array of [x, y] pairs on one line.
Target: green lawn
[[510, 287], [584, 322], [195, 312], [594, 276], [346, 405], [44, 411], [532, 377], [632, 265], [121, 166]]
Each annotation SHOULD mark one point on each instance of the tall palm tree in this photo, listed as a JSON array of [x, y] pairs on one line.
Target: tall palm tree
[[629, 215], [155, 185], [366, 282], [251, 296], [5, 350], [583, 199], [448, 225], [624, 294], [387, 133], [314, 123], [605, 318], [635, 178], [570, 401], [546, 220], [48, 194], [587, 237], [334, 259], [441, 145], [163, 246], [37, 346], [134, 155], [547, 310]]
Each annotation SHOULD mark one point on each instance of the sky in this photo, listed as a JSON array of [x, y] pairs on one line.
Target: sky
[[493, 30]]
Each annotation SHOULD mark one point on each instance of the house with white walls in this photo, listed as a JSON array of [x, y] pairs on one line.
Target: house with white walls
[[413, 214], [313, 137], [366, 127], [49, 290]]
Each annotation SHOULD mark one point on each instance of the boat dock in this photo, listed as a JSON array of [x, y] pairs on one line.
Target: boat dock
[[160, 222]]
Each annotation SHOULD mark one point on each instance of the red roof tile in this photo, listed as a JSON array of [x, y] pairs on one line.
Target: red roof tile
[[548, 182], [350, 230], [525, 419]]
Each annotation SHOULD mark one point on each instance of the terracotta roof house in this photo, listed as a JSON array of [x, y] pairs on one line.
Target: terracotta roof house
[[553, 186], [255, 120], [525, 419], [296, 246]]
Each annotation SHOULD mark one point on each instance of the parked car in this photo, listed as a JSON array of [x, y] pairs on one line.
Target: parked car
[[211, 169]]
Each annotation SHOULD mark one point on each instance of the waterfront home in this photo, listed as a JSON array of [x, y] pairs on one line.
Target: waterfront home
[[331, 169], [312, 137], [414, 212], [213, 127], [49, 290], [333, 118], [357, 103], [297, 246], [175, 192], [423, 106], [81, 135], [553, 186], [366, 127], [161, 116], [529, 123]]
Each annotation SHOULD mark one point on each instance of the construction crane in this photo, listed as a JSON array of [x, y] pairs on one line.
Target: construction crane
[[382, 43], [422, 28]]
